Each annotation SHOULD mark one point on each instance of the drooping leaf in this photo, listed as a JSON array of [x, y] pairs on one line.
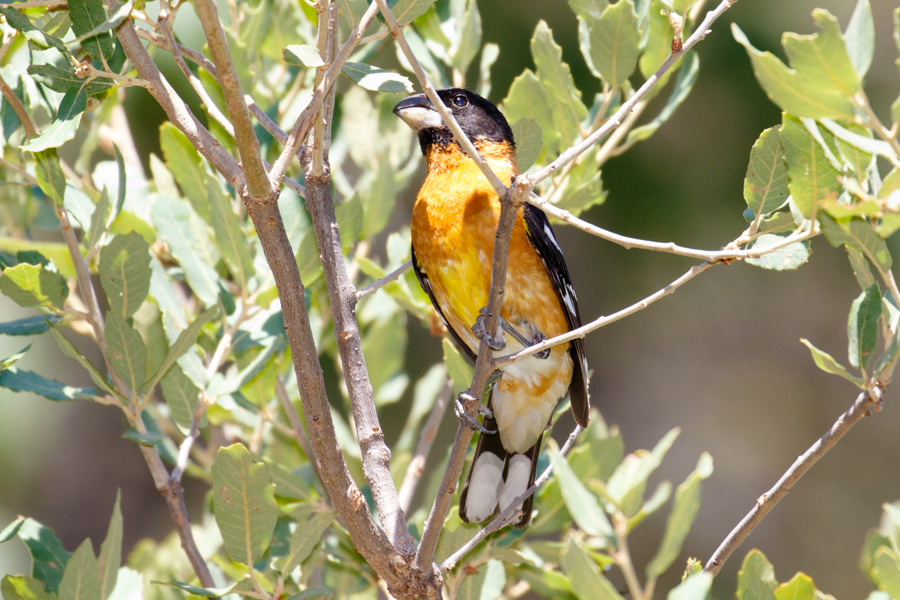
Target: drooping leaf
[[185, 341], [559, 86], [181, 395], [827, 363], [198, 591], [766, 183], [29, 325], [64, 126], [127, 351], [468, 42], [50, 176], [64, 81], [687, 77], [186, 166], [18, 21], [862, 326], [696, 587], [20, 380], [376, 79], [858, 233], [125, 273], [526, 99], [406, 11], [116, 17], [69, 350], [244, 503], [144, 438], [229, 235]]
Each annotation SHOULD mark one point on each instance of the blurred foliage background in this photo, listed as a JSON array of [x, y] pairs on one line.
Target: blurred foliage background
[[720, 358]]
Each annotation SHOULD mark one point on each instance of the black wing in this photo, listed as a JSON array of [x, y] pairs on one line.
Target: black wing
[[541, 236], [426, 285]]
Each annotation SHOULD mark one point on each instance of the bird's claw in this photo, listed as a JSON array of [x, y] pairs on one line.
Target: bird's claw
[[537, 339], [467, 419], [481, 333]]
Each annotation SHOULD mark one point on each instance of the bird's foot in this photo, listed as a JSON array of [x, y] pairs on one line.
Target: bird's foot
[[470, 422], [481, 333]]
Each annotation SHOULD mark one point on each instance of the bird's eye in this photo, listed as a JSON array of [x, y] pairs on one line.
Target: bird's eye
[[460, 101]]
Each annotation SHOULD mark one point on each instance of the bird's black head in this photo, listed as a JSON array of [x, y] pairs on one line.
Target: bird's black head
[[479, 119]]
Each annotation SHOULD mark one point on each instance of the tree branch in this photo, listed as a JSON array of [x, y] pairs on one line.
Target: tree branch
[[867, 402], [511, 511], [258, 185], [389, 278]]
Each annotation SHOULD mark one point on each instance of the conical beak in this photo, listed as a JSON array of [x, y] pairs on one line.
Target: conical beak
[[418, 112]]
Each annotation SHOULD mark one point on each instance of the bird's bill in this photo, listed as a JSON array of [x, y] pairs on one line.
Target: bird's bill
[[419, 113]]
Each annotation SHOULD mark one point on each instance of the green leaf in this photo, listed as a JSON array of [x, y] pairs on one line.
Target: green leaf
[[614, 42], [696, 587], [313, 594], [18, 21], [827, 363], [19, 380], [81, 580], [9, 361], [127, 352], [812, 178], [802, 94], [468, 42], [785, 258], [684, 511], [244, 503], [100, 220], [529, 142], [351, 218], [116, 17], [627, 483], [860, 266], [376, 79], [822, 58], [181, 395], [405, 11], [302, 55], [557, 83], [756, 579], [20, 587], [657, 33], [587, 581], [111, 551], [172, 220], [886, 571], [48, 556], [64, 126], [582, 504], [86, 16], [50, 176], [198, 591], [858, 233], [64, 80], [458, 368], [526, 99], [185, 341], [32, 285], [69, 350], [229, 235], [801, 587], [125, 273], [307, 536], [860, 138], [588, 8], [144, 438], [862, 326], [129, 585], [11, 530], [766, 183], [859, 38], [186, 166]]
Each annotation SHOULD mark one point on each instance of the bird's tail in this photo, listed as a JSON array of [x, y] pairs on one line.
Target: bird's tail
[[496, 478]]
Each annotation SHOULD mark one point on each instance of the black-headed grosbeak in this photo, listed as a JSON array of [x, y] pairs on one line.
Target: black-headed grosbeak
[[454, 223]]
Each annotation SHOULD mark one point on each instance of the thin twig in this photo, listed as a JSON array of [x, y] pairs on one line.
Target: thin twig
[[184, 450], [305, 121], [390, 277], [426, 439], [866, 402], [255, 176], [511, 511], [19, 108], [616, 120]]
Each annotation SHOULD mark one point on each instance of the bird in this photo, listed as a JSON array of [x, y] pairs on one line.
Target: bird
[[453, 226]]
